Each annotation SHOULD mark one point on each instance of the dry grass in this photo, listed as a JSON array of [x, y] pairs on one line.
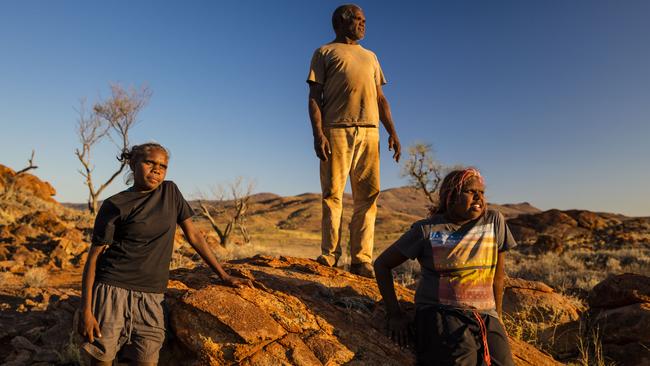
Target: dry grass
[[590, 348], [577, 271], [523, 329], [35, 277], [529, 325], [71, 354]]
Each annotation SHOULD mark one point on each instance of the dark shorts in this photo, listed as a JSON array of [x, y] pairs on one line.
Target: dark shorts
[[132, 321], [453, 337]]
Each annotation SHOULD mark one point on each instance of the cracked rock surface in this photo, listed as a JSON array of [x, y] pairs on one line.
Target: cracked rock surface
[[298, 313]]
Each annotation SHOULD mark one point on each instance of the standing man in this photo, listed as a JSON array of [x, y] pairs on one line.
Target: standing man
[[346, 104]]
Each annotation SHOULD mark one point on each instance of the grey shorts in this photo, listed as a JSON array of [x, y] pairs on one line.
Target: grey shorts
[[129, 320]]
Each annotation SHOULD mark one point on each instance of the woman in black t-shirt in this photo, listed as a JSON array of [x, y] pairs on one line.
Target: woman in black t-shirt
[[127, 269]]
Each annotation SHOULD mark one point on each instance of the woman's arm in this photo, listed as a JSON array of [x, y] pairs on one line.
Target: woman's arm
[[197, 242], [499, 281], [397, 322], [89, 326]]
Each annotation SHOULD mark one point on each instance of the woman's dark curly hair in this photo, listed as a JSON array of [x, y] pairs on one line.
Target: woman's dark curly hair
[[135, 153]]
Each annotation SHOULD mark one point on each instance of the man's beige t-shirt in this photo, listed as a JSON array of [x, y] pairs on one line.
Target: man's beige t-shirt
[[349, 75]]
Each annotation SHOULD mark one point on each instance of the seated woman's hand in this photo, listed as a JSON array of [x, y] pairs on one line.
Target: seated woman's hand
[[397, 328]]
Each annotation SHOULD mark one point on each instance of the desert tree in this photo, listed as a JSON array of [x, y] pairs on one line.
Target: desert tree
[[231, 208], [423, 171], [112, 118]]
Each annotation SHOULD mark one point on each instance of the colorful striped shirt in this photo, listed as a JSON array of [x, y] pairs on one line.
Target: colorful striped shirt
[[458, 261]]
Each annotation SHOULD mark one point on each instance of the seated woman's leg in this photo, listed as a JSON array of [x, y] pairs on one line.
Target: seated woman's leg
[[445, 339], [500, 353]]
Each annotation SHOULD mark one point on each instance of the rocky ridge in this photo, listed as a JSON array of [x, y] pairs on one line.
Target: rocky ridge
[[301, 313]]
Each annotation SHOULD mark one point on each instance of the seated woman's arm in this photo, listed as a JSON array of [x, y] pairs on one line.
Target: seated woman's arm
[[499, 282], [397, 322]]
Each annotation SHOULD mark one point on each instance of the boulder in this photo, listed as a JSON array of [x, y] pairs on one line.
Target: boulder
[[553, 230], [626, 324], [537, 302], [618, 321], [546, 221], [620, 290], [26, 182], [547, 243], [46, 221], [564, 339], [298, 313], [526, 355], [588, 220], [631, 354]]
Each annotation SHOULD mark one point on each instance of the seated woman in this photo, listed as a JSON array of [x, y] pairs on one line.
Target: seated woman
[[461, 249], [127, 268]]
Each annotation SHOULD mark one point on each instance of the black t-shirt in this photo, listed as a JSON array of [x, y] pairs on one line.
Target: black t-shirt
[[139, 229]]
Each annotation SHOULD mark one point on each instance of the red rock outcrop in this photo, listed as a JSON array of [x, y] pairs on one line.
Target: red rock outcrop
[[526, 355], [27, 182], [620, 312], [621, 290], [555, 231], [537, 302], [298, 313]]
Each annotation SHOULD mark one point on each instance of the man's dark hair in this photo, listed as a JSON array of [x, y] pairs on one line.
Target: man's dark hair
[[342, 14]]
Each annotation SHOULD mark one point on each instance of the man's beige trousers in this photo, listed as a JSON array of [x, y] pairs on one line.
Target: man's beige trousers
[[355, 152]]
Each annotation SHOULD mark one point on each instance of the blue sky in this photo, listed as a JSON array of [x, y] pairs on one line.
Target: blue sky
[[550, 99]]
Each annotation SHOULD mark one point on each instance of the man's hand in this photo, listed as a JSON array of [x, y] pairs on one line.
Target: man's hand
[[89, 326], [397, 329], [238, 282], [322, 147], [395, 146]]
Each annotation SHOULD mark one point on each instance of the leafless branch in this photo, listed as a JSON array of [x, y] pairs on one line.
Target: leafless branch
[[232, 212], [423, 171], [30, 165]]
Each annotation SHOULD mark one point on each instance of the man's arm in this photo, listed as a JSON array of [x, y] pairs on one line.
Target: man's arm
[[397, 322], [321, 144], [197, 242], [387, 120], [89, 326], [499, 282]]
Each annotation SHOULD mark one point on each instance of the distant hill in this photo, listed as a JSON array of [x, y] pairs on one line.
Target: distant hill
[[398, 208]]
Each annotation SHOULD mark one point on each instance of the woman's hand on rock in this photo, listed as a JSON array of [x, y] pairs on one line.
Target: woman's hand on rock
[[238, 282], [397, 329]]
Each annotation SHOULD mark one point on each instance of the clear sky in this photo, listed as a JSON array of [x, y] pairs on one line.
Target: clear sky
[[550, 99]]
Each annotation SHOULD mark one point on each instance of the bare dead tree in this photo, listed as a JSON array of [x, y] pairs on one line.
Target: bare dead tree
[[112, 118], [30, 165], [232, 210], [423, 171]]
